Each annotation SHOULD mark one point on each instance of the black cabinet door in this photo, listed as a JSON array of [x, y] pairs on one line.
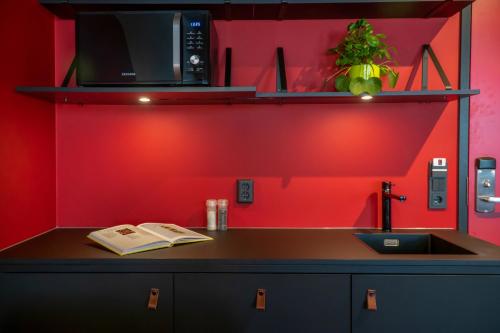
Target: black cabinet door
[[427, 303], [78, 302], [293, 303]]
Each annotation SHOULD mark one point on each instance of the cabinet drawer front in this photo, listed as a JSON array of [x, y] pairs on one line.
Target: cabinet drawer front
[[293, 303], [66, 302], [427, 303]]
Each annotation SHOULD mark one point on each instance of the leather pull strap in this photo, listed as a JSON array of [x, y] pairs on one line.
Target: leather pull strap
[[154, 294], [371, 299], [260, 303]]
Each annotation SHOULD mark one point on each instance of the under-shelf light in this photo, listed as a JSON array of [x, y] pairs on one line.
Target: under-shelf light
[[366, 97], [144, 99]]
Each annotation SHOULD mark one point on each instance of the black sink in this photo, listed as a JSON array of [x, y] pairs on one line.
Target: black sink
[[390, 243]]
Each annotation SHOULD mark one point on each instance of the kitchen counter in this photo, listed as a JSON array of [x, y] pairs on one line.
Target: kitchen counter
[[250, 250], [308, 280]]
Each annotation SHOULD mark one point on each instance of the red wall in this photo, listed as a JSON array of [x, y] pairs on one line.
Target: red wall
[[27, 154], [313, 165], [485, 114]]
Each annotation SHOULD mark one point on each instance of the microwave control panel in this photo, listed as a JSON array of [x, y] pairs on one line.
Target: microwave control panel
[[196, 34]]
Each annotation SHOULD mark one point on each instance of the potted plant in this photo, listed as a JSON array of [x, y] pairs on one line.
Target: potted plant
[[363, 58]]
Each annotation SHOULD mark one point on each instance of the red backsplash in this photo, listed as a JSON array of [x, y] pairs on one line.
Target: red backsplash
[[313, 165]]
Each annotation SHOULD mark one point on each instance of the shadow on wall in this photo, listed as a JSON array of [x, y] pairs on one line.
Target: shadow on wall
[[369, 215], [487, 216], [27, 133], [362, 140], [308, 63]]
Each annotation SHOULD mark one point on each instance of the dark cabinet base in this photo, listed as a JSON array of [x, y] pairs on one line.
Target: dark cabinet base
[[229, 302], [427, 303], [293, 303], [76, 302]]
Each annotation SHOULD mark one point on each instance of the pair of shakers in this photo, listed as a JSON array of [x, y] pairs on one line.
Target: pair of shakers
[[217, 214]]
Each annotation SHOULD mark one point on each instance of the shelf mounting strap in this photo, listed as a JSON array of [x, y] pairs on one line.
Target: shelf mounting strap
[[281, 85], [227, 72], [69, 73], [426, 52]]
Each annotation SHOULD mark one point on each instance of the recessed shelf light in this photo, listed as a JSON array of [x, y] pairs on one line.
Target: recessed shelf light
[[366, 97], [144, 99]]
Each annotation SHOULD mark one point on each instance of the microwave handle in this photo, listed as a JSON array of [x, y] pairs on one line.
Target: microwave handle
[[177, 46]]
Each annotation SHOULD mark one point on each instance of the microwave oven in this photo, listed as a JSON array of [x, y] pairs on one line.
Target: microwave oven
[[152, 48]]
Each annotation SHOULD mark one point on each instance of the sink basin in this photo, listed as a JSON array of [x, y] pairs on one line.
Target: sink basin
[[389, 243]]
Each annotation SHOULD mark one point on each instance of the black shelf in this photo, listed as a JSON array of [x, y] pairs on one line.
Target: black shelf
[[227, 95], [413, 96], [131, 95], [273, 9]]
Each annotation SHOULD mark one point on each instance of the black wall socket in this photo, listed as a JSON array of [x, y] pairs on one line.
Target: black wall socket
[[244, 190]]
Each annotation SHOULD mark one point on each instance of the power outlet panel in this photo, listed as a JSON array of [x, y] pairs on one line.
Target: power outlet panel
[[244, 190]]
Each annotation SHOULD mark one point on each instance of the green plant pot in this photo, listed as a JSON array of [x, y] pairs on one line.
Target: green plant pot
[[365, 71]]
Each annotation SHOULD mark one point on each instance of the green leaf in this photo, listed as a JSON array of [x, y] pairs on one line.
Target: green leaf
[[393, 78], [357, 86], [373, 85], [342, 83], [372, 41]]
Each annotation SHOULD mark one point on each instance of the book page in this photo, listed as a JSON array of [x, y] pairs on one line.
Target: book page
[[126, 238], [173, 233]]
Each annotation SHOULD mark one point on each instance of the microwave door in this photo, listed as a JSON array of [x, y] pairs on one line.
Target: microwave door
[[103, 53], [153, 42]]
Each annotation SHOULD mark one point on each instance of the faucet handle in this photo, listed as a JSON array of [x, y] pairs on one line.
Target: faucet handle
[[401, 198]]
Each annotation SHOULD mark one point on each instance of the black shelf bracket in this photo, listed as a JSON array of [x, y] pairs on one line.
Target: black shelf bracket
[[227, 10], [281, 85], [227, 72], [425, 68], [69, 73], [426, 52], [282, 12]]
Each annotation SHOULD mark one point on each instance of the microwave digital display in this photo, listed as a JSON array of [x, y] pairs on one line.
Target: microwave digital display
[[195, 24]]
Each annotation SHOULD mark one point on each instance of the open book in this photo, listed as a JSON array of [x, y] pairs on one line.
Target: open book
[[126, 238]]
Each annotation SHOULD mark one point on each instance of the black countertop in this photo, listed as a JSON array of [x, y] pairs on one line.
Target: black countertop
[[250, 250]]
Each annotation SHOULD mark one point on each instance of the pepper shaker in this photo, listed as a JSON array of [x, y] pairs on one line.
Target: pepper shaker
[[222, 214]]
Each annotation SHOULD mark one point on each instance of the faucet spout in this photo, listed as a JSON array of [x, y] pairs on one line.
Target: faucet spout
[[387, 197]]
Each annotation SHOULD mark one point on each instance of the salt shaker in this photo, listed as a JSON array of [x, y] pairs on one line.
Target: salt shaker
[[211, 214], [222, 216]]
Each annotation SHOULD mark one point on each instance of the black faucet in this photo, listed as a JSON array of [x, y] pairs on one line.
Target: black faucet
[[387, 197]]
